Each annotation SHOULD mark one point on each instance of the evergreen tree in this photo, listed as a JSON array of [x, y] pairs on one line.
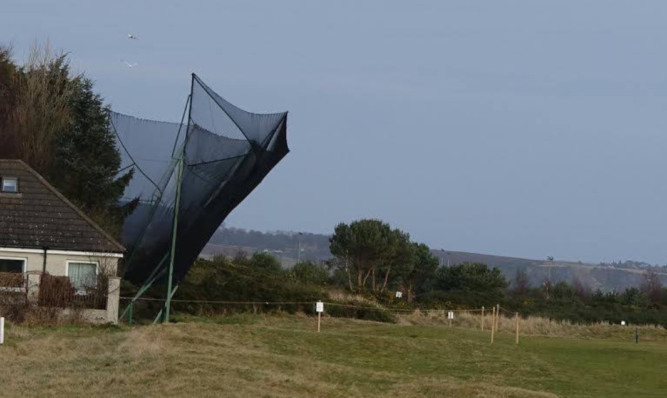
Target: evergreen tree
[[86, 162], [367, 248], [424, 265], [7, 99]]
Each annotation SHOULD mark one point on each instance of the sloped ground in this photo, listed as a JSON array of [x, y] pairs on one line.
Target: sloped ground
[[283, 356]]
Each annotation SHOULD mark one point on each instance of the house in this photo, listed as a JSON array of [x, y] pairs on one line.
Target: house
[[45, 241]]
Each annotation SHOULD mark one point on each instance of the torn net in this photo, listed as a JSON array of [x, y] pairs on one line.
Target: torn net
[[226, 152]]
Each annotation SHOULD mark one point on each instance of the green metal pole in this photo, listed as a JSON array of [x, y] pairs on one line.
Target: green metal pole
[[170, 275], [181, 161], [155, 275], [159, 315]]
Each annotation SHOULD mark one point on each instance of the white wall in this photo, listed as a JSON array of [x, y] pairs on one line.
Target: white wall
[[56, 263]]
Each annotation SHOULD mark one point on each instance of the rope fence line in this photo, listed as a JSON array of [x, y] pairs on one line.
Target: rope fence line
[[494, 314], [220, 302], [332, 304], [511, 313], [485, 319]]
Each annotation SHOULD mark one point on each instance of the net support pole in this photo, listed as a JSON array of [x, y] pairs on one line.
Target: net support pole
[[155, 275], [174, 229], [159, 314], [179, 177]]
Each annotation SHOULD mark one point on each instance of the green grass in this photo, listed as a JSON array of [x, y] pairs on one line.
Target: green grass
[[283, 356]]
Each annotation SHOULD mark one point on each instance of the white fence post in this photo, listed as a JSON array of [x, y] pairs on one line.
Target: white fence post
[[2, 330], [319, 307]]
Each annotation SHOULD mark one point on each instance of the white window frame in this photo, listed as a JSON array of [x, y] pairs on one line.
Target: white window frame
[[2, 184], [97, 270], [23, 272]]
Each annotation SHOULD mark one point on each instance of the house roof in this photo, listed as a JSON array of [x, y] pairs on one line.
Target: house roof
[[39, 216]]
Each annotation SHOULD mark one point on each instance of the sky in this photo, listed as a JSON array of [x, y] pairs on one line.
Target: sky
[[525, 128]]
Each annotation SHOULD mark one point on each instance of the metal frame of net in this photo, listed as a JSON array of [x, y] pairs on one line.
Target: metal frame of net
[[188, 177]]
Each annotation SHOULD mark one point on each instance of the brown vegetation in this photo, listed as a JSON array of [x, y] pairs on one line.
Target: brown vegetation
[[39, 109], [57, 301], [535, 326]]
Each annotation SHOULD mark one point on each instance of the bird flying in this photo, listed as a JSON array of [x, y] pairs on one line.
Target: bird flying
[[129, 65], [131, 36]]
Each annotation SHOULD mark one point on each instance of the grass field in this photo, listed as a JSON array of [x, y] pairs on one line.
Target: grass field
[[282, 356]]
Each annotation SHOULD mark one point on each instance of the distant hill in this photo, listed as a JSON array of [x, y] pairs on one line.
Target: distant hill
[[283, 245], [315, 247], [596, 276]]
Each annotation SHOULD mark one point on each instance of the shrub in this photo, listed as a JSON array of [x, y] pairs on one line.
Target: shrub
[[310, 272], [366, 313]]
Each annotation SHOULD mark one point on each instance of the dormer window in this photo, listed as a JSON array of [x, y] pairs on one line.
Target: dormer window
[[10, 184]]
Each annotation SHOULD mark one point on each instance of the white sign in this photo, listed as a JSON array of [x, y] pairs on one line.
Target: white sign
[[399, 294], [319, 306], [450, 315]]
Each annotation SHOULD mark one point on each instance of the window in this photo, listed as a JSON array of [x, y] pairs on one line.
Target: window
[[82, 275], [10, 184], [12, 265], [11, 273]]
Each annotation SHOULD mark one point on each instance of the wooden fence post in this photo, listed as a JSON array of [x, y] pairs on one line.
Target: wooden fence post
[[497, 317], [482, 318], [516, 321], [493, 320]]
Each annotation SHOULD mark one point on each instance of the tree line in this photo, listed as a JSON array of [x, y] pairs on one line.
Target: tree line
[[374, 261], [373, 258]]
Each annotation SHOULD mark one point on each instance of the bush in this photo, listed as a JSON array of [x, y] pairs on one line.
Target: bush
[[439, 299], [258, 282], [310, 272], [14, 306], [365, 313]]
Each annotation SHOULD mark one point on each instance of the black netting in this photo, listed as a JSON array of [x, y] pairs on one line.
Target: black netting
[[226, 153]]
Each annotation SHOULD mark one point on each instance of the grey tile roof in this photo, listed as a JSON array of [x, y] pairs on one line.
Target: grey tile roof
[[39, 216]]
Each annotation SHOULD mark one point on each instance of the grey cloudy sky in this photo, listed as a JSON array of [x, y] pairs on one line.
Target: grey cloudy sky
[[527, 128]]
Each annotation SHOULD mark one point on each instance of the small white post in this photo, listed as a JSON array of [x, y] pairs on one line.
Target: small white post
[[2, 330], [319, 307]]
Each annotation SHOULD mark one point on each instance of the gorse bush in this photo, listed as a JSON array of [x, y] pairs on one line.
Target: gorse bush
[[378, 314], [459, 299]]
